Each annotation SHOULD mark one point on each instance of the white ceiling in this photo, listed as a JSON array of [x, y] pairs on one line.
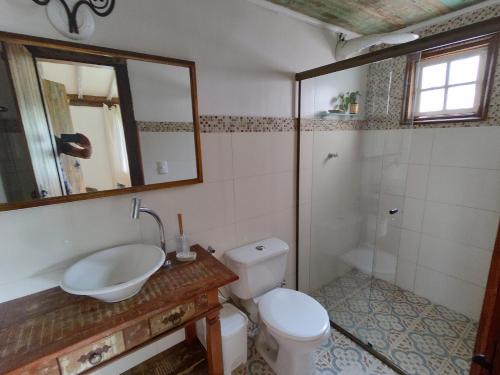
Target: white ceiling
[[80, 79]]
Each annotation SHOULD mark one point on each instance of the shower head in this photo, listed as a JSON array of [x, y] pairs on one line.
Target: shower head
[[349, 48], [135, 208]]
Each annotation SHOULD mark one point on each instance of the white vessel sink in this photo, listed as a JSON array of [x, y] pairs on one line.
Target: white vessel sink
[[114, 274]]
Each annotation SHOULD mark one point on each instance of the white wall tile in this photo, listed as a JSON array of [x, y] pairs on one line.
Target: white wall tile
[[454, 259], [217, 156], [305, 185], [252, 154], [416, 182], [283, 151], [254, 229], [453, 293], [372, 143], [304, 246], [306, 149], [253, 196], [44, 239], [346, 144], [283, 191], [284, 228], [221, 239], [394, 177], [461, 224], [388, 239], [467, 147], [409, 245], [421, 146], [471, 187], [221, 212], [405, 275], [413, 214], [397, 145]]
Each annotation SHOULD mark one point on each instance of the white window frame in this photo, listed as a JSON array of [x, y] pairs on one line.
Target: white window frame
[[448, 59]]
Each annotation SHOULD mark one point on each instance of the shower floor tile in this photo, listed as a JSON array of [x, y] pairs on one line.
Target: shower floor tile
[[418, 336]]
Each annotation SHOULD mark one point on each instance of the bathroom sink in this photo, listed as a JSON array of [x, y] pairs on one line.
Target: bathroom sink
[[114, 274]]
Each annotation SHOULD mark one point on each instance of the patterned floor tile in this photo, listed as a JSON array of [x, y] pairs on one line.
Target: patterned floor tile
[[337, 356], [418, 336]]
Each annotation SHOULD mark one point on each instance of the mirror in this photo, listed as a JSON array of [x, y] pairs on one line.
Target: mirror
[[77, 123]]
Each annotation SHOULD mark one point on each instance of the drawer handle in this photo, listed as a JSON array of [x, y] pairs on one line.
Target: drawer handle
[[95, 356]]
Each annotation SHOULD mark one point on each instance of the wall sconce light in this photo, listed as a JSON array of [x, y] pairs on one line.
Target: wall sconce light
[[80, 22]]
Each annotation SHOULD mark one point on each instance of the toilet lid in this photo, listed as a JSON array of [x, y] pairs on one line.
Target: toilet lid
[[294, 314]]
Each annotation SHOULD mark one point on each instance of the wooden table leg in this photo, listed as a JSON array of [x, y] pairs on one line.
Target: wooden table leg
[[191, 333], [214, 344]]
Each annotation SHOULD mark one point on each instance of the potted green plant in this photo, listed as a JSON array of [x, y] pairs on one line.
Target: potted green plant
[[353, 104]]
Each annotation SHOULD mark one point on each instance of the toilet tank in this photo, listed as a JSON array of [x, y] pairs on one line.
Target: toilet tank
[[260, 266]]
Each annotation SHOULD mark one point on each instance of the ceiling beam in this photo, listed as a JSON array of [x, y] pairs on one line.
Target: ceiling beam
[[91, 101]]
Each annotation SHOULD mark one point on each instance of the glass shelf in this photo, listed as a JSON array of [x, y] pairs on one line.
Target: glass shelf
[[341, 116]]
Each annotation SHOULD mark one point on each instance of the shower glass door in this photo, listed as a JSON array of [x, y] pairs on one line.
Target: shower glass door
[[353, 169], [397, 220]]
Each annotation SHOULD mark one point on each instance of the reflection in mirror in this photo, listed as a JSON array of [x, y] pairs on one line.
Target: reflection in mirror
[[164, 113], [17, 179], [84, 114], [74, 123]]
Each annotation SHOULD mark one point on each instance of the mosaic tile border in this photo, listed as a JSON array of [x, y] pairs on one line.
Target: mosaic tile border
[[246, 124], [254, 124], [165, 127]]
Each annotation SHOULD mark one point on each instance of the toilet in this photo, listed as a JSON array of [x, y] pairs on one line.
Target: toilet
[[292, 324]]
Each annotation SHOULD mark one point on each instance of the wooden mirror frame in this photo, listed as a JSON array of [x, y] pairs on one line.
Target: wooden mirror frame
[[109, 56]]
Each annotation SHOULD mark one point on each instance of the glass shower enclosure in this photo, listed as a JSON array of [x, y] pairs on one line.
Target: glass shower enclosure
[[389, 220]]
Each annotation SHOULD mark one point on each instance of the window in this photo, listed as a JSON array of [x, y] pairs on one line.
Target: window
[[450, 83]]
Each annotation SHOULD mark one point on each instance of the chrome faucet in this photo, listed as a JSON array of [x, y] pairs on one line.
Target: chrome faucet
[[135, 213]]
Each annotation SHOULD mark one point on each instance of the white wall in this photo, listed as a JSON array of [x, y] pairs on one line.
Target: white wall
[[97, 171], [176, 148], [246, 57], [446, 183], [331, 86], [160, 92], [451, 211]]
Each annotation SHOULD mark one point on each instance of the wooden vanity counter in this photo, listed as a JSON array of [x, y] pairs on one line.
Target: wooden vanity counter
[[53, 332]]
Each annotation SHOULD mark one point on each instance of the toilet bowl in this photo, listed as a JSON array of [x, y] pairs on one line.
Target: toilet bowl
[[292, 324]]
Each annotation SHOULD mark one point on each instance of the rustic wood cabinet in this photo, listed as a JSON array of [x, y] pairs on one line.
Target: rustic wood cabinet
[[55, 333]]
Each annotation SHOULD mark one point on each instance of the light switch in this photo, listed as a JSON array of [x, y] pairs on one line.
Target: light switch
[[162, 167]]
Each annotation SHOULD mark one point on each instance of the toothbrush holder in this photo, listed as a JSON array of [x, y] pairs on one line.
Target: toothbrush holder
[[182, 245]]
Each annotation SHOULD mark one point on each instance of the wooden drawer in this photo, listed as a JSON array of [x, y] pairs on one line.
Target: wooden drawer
[[44, 367], [92, 355], [170, 319]]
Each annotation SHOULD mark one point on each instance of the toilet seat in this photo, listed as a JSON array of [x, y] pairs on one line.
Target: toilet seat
[[294, 315]]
